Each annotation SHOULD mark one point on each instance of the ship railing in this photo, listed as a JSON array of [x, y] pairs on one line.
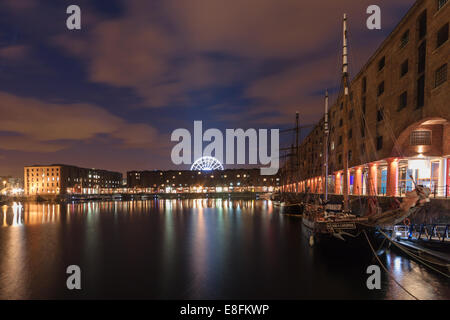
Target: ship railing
[[436, 191], [427, 232]]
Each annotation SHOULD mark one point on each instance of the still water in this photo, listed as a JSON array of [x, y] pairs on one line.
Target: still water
[[185, 249]]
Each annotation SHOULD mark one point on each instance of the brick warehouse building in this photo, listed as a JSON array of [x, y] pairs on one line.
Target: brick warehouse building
[[58, 179], [398, 116], [186, 181]]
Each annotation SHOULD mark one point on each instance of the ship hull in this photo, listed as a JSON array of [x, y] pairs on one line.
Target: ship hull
[[345, 237]]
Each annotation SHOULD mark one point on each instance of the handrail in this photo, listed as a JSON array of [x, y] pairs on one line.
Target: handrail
[[436, 232]]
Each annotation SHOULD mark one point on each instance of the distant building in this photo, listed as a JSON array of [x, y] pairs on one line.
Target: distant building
[[398, 116], [62, 179], [184, 181]]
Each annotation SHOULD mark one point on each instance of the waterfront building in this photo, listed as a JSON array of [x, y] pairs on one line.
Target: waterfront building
[[187, 181], [66, 179], [398, 117]]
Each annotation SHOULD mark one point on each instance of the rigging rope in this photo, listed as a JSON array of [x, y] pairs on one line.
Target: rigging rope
[[385, 269]]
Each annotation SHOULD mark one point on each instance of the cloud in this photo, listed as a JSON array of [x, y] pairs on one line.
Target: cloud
[[28, 144], [20, 4], [166, 51], [36, 125]]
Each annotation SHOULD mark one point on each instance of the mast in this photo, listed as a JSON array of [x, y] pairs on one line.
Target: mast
[[297, 162], [325, 146], [345, 83]]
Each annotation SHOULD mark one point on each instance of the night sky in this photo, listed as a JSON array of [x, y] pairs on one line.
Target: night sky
[[109, 95]]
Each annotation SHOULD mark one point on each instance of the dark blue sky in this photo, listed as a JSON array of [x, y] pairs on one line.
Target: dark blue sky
[[110, 95]]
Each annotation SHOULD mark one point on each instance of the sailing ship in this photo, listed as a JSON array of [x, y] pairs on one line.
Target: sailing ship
[[328, 222], [288, 200]]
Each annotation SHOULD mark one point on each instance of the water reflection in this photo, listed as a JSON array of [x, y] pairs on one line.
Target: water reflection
[[190, 248]]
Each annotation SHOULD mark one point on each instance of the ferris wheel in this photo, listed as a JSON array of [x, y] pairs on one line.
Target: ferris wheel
[[207, 164]]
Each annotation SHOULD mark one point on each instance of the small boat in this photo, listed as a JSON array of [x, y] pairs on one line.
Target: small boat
[[264, 196]]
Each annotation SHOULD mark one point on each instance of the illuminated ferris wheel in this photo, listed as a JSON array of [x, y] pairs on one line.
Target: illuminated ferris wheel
[[207, 164]]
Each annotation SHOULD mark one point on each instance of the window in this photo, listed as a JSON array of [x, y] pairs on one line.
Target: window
[[364, 85], [340, 140], [350, 114], [381, 63], [340, 123], [340, 158], [404, 68], [421, 55], [379, 142], [420, 138], [381, 88], [441, 3], [379, 115], [403, 101], [363, 105], [350, 155], [342, 105], [420, 91], [440, 75], [442, 35], [404, 39], [363, 127], [423, 24], [350, 133]]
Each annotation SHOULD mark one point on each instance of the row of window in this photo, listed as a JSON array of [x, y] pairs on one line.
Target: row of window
[[42, 169], [43, 179], [43, 184], [417, 138]]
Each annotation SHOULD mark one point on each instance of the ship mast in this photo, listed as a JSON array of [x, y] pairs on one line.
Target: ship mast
[[297, 160], [345, 83], [325, 146]]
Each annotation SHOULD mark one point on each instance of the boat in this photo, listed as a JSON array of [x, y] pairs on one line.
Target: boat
[[264, 196], [333, 224]]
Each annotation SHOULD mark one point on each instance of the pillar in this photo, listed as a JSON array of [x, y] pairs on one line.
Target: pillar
[[372, 181], [357, 181], [337, 185], [442, 177], [392, 177]]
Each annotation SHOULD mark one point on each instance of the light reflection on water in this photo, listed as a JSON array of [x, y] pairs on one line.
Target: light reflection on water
[[194, 249]]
